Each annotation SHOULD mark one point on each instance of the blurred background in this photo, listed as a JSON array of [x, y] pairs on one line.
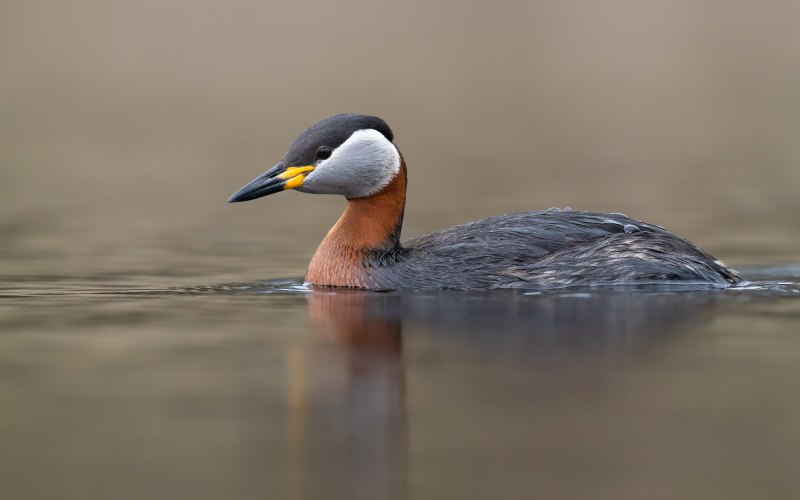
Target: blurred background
[[124, 126]]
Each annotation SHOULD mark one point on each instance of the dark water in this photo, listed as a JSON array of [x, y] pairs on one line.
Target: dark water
[[146, 350], [270, 390]]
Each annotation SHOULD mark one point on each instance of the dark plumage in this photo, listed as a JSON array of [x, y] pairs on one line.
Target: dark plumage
[[331, 132], [543, 249]]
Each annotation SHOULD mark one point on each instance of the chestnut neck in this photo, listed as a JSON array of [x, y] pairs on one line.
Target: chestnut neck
[[367, 224]]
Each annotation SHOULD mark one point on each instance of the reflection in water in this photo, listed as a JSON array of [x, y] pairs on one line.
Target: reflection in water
[[347, 416], [353, 396]]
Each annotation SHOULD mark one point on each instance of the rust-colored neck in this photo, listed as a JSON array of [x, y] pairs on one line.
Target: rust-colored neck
[[371, 223]]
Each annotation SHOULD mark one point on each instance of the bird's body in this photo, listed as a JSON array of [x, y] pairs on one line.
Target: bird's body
[[551, 248], [534, 250]]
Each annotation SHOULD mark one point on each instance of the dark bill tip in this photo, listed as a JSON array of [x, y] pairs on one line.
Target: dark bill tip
[[264, 184]]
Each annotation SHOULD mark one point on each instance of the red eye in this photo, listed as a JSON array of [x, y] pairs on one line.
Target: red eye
[[324, 152]]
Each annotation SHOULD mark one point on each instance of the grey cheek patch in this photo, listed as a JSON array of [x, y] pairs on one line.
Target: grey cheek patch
[[363, 165]]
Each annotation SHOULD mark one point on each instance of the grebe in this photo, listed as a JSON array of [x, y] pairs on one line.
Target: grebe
[[354, 156]]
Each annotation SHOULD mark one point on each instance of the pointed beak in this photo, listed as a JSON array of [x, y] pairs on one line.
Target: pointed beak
[[278, 178]]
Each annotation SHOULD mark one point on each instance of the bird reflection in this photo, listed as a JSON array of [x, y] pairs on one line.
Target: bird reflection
[[348, 425], [347, 422]]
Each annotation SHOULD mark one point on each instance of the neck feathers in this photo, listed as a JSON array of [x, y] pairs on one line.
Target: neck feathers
[[367, 224]]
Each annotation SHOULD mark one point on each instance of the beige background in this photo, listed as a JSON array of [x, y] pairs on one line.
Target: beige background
[[125, 126]]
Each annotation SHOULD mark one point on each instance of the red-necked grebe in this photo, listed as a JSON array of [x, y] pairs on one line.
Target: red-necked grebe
[[354, 156]]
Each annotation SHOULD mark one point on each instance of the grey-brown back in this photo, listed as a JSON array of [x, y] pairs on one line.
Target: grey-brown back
[[544, 249]]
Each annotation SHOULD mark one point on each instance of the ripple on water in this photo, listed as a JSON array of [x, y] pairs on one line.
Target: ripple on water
[[769, 281]]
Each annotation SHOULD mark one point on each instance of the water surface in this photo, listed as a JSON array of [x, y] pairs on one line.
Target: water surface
[[268, 389]]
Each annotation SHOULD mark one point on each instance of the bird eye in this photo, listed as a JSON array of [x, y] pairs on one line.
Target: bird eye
[[324, 152]]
